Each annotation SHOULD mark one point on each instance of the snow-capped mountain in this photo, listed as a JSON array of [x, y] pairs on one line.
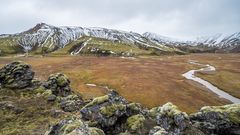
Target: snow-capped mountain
[[162, 39], [53, 38], [218, 42], [221, 41], [57, 37]]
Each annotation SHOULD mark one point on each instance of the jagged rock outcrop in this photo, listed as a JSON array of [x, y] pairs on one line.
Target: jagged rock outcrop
[[16, 75], [172, 120], [71, 103], [107, 112], [57, 87], [73, 126], [158, 131], [135, 124], [220, 120], [111, 113], [59, 84]]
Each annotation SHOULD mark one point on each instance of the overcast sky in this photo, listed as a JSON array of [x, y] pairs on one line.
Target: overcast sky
[[183, 19]]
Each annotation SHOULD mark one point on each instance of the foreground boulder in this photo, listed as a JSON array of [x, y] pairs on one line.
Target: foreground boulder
[[105, 112], [71, 103], [170, 120], [113, 114], [220, 120], [59, 84], [16, 75], [158, 131], [135, 124], [73, 126]]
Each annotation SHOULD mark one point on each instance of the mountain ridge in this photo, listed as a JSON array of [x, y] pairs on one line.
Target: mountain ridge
[[53, 38]]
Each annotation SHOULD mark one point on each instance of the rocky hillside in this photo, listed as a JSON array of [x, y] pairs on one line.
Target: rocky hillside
[[29, 106], [215, 43], [44, 38], [224, 43]]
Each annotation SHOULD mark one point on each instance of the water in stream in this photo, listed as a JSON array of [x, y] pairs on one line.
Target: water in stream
[[190, 75]]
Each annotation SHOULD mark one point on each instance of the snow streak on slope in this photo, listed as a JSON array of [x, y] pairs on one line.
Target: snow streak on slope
[[49, 36], [221, 40], [53, 38], [162, 39], [75, 52], [57, 37]]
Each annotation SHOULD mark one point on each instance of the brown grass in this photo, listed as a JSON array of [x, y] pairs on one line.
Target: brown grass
[[151, 81]]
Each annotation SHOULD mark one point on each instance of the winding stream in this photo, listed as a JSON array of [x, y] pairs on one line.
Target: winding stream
[[190, 75]]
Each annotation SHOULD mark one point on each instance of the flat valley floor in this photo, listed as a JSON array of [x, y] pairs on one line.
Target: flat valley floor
[[151, 81]]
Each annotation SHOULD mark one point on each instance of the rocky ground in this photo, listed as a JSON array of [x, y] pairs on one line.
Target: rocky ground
[[51, 107]]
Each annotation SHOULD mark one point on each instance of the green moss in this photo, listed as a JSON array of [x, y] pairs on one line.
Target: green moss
[[135, 123], [9, 45], [97, 100], [232, 111], [159, 130], [134, 106], [170, 110], [68, 128], [62, 80], [153, 112], [111, 109], [29, 114], [96, 131]]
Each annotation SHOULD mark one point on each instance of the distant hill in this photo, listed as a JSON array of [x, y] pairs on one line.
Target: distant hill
[[45, 38]]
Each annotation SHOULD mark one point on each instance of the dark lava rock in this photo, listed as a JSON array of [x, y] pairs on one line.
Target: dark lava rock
[[51, 98], [59, 84], [73, 126], [220, 120], [158, 131], [71, 103], [135, 124], [109, 112], [172, 121], [16, 75], [56, 113]]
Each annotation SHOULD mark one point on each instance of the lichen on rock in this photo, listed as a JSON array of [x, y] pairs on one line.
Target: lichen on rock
[[71, 103], [73, 126], [16, 75], [135, 124], [110, 110], [158, 131], [59, 84], [107, 111], [171, 118], [218, 119]]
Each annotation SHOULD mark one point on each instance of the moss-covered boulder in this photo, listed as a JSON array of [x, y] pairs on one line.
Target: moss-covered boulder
[[73, 126], [218, 119], [135, 108], [16, 75], [158, 131], [107, 112], [96, 131], [171, 118], [71, 103], [135, 124], [59, 84]]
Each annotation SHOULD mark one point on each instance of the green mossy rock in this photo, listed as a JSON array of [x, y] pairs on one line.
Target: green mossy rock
[[16, 75], [135, 123], [59, 84], [110, 110]]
